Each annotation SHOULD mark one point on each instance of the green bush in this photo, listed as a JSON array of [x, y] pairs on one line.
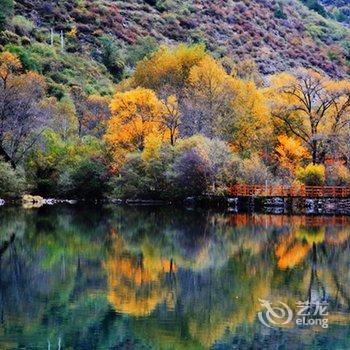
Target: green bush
[[316, 6], [194, 167], [90, 179], [111, 57], [279, 13], [6, 11], [12, 183], [23, 26], [132, 181], [28, 61], [312, 175], [143, 48]]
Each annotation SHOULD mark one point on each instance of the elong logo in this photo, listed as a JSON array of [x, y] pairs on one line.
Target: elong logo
[[309, 314]]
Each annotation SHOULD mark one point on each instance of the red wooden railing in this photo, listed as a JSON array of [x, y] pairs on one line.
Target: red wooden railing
[[284, 191]]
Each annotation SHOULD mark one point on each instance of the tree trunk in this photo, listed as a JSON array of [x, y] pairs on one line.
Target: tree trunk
[[314, 152]]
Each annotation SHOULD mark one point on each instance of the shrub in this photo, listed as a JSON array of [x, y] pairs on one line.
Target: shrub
[[151, 2], [316, 6], [6, 7], [111, 57], [201, 165], [88, 180], [12, 183], [311, 175], [29, 62], [23, 26], [131, 181], [279, 12], [143, 48], [190, 174], [142, 177], [338, 175], [253, 171], [195, 166]]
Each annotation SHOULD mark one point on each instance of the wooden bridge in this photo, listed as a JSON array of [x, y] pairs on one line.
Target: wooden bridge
[[284, 191]]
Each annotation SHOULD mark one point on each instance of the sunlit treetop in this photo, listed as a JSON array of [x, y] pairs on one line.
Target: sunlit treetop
[[168, 67]]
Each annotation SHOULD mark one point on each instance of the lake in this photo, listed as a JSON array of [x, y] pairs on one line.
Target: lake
[[161, 278]]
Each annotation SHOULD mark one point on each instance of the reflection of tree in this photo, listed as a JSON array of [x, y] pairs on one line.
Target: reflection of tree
[[229, 297], [315, 251], [177, 279], [136, 283], [48, 275], [293, 248]]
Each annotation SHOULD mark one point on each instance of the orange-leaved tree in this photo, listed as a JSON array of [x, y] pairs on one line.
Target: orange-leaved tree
[[291, 153]]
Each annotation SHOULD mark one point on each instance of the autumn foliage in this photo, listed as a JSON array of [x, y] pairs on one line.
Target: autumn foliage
[[182, 124]]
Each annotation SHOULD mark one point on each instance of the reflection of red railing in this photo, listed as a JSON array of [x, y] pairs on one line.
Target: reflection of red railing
[[283, 191], [244, 219]]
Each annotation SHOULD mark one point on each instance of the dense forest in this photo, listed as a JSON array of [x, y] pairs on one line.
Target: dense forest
[[89, 113]]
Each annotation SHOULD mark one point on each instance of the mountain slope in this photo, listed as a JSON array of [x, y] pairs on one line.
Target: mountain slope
[[339, 10], [277, 35]]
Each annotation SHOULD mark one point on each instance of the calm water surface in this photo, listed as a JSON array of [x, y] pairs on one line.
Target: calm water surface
[[155, 278]]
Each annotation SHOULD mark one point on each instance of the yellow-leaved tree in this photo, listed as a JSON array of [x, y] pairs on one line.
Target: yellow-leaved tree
[[208, 96], [167, 70], [312, 107], [250, 126], [171, 117], [135, 115]]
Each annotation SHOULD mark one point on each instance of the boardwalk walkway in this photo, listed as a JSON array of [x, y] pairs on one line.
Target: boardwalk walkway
[[283, 191]]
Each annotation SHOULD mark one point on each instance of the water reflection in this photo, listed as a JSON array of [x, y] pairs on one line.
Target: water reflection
[[110, 278]]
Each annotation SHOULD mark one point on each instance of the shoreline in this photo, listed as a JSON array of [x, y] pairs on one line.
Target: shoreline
[[267, 205]]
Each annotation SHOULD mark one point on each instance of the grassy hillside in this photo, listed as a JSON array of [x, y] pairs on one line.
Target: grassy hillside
[[338, 9], [277, 35], [104, 39]]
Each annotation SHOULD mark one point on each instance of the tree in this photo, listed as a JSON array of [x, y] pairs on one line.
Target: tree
[[88, 180], [6, 7], [92, 112], [248, 128], [171, 117], [290, 153], [208, 96], [135, 114], [97, 115], [22, 112], [111, 58], [79, 98], [190, 174], [167, 70], [312, 107], [247, 70], [63, 121], [200, 165], [54, 161]]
